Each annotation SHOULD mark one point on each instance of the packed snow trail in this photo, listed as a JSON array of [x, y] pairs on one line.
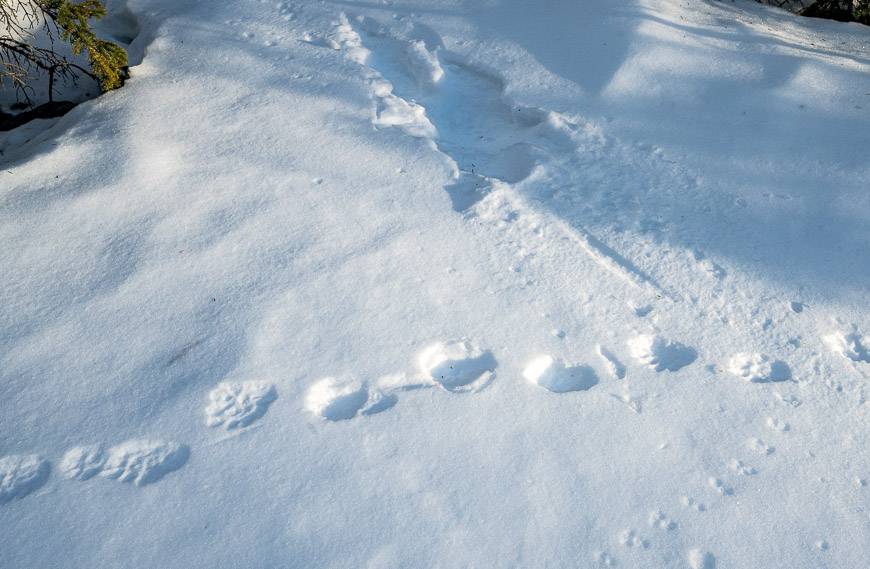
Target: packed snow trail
[[443, 284]]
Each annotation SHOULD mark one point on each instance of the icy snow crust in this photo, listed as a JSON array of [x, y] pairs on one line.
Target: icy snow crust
[[454, 284]]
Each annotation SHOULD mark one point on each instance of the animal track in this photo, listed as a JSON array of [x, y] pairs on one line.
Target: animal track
[[699, 559], [760, 446], [660, 354], [777, 425], [758, 368], [458, 365], [630, 538], [719, 486], [659, 520], [690, 502], [82, 463], [143, 461], [236, 405], [20, 475], [553, 375], [140, 461], [603, 558], [740, 467], [849, 345], [337, 398]]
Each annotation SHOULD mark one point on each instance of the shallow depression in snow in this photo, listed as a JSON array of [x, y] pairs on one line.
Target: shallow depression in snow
[[336, 398], [457, 365], [659, 353], [553, 375], [20, 475]]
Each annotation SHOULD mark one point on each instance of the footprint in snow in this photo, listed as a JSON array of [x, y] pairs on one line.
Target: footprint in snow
[[699, 559], [659, 520], [758, 368], [20, 475], [553, 375], [740, 467], [719, 486], [630, 538], [345, 397], [457, 366], [689, 502], [851, 345], [140, 461], [760, 446], [778, 425], [659, 353], [235, 405], [83, 463], [337, 398]]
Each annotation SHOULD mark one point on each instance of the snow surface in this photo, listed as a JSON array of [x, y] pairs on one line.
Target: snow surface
[[341, 231]]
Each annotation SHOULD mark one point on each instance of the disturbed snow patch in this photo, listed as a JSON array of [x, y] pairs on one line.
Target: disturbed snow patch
[[553, 375]]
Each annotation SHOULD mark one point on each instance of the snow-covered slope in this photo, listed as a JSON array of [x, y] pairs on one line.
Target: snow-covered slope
[[445, 284]]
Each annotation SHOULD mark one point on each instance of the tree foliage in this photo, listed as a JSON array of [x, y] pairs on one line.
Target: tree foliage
[[843, 10], [862, 11], [69, 21]]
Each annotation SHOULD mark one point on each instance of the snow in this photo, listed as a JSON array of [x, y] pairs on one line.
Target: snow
[[309, 282]]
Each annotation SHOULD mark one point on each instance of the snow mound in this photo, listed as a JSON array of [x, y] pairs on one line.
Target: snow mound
[[457, 365], [20, 475], [758, 368], [661, 354], [553, 375], [235, 405]]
